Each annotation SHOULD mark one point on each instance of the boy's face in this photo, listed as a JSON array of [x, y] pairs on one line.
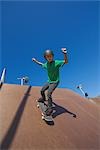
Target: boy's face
[[49, 57]]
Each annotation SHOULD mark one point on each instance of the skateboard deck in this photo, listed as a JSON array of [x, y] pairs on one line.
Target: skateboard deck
[[43, 108]]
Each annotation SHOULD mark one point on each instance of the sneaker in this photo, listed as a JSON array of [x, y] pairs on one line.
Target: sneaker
[[41, 100]]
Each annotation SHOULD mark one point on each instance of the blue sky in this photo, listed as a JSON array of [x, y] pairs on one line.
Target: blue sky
[[28, 28]]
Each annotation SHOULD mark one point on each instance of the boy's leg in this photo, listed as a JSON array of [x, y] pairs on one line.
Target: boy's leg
[[44, 88], [51, 88]]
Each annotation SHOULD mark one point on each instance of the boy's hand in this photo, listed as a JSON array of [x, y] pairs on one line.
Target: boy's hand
[[33, 59], [64, 50]]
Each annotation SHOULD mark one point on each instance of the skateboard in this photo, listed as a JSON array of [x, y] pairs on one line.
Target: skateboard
[[43, 108]]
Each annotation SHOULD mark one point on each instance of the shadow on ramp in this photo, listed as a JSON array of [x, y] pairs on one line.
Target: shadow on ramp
[[8, 139], [1, 84], [60, 110]]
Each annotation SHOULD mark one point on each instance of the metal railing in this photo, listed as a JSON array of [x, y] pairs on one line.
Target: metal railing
[[82, 91], [23, 80]]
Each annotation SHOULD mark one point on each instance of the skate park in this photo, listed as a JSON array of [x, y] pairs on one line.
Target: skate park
[[76, 120], [69, 30]]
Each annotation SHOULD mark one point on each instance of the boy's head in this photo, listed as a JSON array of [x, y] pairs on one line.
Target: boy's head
[[48, 55]]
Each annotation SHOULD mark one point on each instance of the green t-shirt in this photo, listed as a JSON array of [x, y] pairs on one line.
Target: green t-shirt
[[53, 70]]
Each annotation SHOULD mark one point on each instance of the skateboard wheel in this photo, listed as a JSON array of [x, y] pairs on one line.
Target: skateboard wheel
[[42, 117], [42, 114], [37, 105]]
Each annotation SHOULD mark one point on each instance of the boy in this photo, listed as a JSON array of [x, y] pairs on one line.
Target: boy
[[52, 66]]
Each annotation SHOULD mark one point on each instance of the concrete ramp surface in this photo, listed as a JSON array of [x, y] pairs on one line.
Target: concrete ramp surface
[[76, 121]]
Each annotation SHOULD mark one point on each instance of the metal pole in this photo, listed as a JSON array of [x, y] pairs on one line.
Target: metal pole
[[3, 76], [83, 92], [22, 81]]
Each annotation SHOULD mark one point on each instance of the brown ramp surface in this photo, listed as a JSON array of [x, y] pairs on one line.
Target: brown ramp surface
[[21, 126]]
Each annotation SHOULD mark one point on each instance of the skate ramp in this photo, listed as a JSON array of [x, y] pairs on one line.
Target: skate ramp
[[76, 121], [96, 100]]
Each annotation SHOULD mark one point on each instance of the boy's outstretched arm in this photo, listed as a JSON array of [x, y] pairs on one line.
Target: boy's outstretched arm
[[64, 50], [36, 61]]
